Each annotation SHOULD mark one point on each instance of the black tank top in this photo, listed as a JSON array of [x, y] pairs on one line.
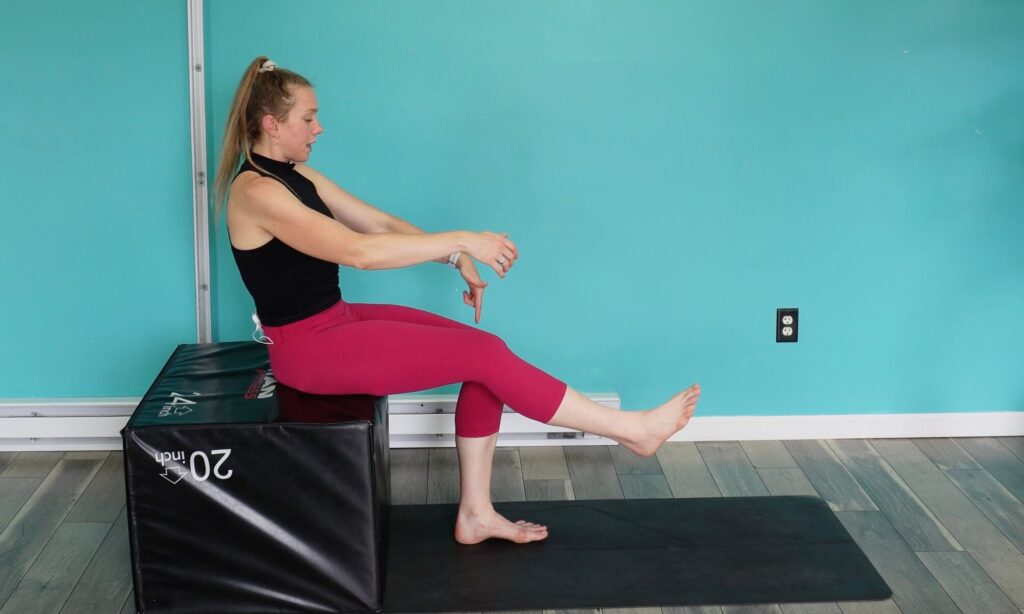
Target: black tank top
[[286, 284]]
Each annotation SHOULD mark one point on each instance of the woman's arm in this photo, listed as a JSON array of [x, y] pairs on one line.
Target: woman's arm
[[397, 224], [392, 250], [390, 242], [358, 214], [277, 211]]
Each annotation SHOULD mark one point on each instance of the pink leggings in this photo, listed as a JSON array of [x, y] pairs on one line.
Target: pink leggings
[[362, 348]]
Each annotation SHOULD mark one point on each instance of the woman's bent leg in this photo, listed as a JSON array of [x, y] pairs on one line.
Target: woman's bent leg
[[477, 520], [477, 417], [477, 411]]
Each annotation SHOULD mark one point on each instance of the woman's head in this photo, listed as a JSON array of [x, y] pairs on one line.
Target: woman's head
[[275, 109]]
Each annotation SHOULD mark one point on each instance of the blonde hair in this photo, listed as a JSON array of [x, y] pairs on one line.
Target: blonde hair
[[260, 92]]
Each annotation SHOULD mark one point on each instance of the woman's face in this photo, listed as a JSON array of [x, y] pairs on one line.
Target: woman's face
[[300, 128]]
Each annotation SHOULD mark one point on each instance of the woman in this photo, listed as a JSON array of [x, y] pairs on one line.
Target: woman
[[290, 227]]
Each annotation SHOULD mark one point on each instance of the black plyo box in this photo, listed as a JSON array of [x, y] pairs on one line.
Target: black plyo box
[[247, 495]]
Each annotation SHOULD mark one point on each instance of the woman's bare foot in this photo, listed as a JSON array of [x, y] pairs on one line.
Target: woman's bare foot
[[473, 528], [660, 423]]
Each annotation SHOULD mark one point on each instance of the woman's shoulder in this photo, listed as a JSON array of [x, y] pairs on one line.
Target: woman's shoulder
[[245, 181], [251, 186]]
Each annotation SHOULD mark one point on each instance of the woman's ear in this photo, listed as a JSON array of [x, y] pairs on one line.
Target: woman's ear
[[269, 124]]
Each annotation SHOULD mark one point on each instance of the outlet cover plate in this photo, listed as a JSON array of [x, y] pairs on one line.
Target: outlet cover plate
[[779, 315]]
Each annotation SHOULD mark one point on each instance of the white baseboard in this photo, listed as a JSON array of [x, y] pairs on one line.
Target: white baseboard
[[58, 424], [425, 421], [415, 420], [854, 426]]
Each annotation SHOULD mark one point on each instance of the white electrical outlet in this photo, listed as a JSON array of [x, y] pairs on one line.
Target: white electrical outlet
[[786, 325]]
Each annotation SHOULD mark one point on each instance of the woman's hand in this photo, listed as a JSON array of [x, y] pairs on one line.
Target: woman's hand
[[495, 250], [475, 296]]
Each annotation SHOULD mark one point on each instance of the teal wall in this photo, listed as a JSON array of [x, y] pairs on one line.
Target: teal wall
[[96, 258], [672, 173]]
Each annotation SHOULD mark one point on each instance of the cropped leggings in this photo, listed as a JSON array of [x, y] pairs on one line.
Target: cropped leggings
[[362, 348]]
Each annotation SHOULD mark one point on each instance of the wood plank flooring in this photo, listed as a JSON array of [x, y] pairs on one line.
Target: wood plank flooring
[[941, 519]]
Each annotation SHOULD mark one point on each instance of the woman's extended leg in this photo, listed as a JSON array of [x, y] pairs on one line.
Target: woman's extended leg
[[642, 432]]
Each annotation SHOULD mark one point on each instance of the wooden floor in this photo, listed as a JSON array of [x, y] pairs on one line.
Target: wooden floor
[[941, 519]]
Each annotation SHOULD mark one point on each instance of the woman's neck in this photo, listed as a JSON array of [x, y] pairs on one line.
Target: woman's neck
[[269, 151]]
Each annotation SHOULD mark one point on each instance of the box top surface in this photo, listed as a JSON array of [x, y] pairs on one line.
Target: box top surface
[[232, 383]]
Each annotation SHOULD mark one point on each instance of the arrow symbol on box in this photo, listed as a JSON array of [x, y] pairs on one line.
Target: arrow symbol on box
[[179, 473], [181, 411]]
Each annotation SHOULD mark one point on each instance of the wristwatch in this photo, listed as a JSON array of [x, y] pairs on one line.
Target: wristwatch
[[453, 260]]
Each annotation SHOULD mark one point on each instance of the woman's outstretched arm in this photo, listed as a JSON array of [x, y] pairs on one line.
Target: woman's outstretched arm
[[279, 212], [356, 213], [400, 226], [389, 242]]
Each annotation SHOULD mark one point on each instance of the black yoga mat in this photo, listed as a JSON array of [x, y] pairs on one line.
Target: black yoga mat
[[630, 553]]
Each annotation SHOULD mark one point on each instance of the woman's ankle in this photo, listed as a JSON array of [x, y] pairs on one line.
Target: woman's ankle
[[632, 428], [474, 509]]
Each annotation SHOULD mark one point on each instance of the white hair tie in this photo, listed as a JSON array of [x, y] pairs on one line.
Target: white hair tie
[[267, 66]]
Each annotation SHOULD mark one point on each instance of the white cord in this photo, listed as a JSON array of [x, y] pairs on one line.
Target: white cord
[[265, 340]]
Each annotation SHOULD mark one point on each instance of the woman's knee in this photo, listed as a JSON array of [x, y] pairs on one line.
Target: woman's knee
[[482, 353], [492, 342]]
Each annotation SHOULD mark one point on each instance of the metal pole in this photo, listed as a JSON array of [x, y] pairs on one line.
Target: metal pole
[[200, 200]]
